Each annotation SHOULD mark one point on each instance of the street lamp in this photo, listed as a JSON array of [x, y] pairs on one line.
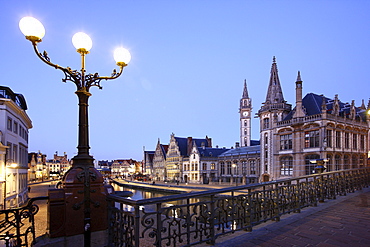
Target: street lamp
[[234, 166], [83, 169]]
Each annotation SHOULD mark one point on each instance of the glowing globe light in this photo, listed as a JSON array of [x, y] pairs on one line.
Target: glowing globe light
[[82, 41], [32, 28], [122, 56]]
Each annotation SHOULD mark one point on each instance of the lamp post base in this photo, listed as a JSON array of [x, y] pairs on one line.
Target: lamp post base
[[67, 212]]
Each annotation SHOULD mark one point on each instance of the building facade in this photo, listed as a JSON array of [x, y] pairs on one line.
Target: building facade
[[14, 127], [317, 128], [179, 150], [201, 166], [292, 139], [159, 162]]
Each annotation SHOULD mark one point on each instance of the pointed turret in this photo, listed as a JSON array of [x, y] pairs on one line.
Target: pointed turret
[[363, 107], [245, 91], [274, 92], [299, 112], [245, 101]]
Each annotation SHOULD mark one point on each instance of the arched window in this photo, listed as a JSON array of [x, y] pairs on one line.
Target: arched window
[[286, 166], [222, 168], [229, 168], [310, 167]]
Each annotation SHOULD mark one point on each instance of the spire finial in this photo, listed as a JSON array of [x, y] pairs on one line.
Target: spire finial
[[299, 76], [273, 59], [245, 90]]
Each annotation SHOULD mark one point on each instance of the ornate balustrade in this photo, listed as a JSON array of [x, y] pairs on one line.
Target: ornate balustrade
[[193, 218], [17, 225]]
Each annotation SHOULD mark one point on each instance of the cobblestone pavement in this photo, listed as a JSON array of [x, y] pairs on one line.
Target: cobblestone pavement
[[344, 221], [41, 189]]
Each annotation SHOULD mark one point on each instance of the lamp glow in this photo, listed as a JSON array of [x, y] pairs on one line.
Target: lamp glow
[[82, 42], [122, 56], [32, 28]]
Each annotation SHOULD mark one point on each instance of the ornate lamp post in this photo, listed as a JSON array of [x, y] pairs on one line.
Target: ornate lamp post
[[82, 174]]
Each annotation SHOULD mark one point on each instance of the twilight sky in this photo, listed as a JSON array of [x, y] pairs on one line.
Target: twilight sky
[[189, 62]]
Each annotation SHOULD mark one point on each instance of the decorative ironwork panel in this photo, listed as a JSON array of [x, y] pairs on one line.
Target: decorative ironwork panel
[[17, 225], [193, 218]]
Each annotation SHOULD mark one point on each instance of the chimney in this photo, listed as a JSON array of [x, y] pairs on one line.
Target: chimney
[[237, 145], [189, 145]]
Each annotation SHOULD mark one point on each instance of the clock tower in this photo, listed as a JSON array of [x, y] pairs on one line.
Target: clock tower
[[245, 111]]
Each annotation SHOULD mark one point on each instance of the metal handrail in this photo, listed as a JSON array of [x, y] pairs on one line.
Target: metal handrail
[[224, 210], [16, 224]]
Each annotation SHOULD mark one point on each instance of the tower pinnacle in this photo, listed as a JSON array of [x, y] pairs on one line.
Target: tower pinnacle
[[274, 91]]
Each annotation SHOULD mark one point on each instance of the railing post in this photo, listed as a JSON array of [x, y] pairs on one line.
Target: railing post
[[277, 202], [159, 225], [212, 221], [137, 226]]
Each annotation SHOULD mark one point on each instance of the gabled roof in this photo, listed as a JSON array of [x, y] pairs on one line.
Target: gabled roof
[[164, 149], [184, 142]]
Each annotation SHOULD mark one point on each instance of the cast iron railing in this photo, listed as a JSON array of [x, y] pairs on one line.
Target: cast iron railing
[[17, 225], [193, 218]]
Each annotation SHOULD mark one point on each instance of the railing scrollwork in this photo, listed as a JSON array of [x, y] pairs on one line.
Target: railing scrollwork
[[204, 216]]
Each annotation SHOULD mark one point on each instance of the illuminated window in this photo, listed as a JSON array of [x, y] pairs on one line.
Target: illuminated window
[[286, 142], [286, 166], [311, 139]]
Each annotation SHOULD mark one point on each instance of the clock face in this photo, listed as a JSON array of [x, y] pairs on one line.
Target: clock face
[[245, 114]]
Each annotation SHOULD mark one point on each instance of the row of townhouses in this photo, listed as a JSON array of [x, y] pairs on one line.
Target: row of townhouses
[[292, 138], [41, 168]]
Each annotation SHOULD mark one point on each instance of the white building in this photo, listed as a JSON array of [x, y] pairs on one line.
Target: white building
[[14, 126]]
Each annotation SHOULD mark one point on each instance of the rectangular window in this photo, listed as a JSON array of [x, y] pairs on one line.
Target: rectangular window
[[346, 140], [362, 142], [10, 124], [354, 140], [15, 129], [329, 138], [212, 166], [311, 139], [244, 167], [204, 166], [266, 123], [286, 166], [286, 142], [252, 164], [338, 139]]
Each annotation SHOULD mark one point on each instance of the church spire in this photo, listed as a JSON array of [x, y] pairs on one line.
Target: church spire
[[274, 91], [245, 91]]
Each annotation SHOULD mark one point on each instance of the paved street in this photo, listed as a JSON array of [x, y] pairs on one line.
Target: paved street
[[41, 189], [341, 222]]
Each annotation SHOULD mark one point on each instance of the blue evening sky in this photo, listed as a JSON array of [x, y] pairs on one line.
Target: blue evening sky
[[189, 62]]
